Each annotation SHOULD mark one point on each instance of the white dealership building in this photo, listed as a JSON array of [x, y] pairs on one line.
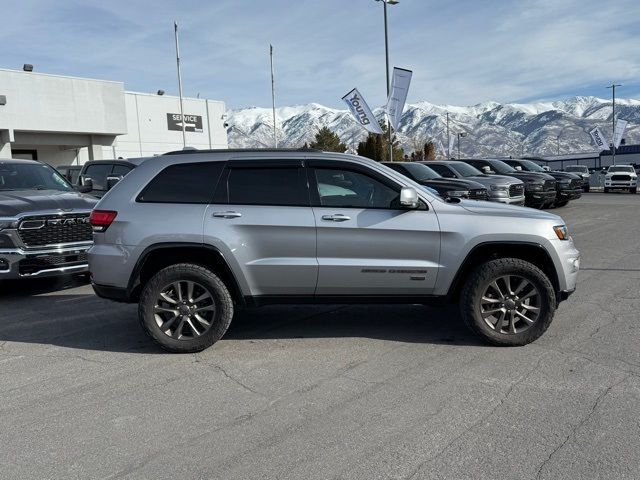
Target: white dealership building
[[64, 120]]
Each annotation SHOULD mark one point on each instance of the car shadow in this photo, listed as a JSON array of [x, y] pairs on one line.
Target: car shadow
[[84, 321]]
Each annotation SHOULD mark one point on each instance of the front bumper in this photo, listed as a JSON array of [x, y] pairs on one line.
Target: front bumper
[[569, 194], [508, 200], [620, 184], [536, 199], [21, 263]]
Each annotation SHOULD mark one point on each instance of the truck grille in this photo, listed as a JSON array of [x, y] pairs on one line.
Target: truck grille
[[621, 178], [48, 230], [478, 194], [576, 184], [549, 185], [516, 190]]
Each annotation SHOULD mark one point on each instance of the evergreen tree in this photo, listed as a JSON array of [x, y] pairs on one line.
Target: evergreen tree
[[328, 141], [429, 151], [376, 147]]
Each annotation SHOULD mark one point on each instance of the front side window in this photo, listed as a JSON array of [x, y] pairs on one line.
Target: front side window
[[444, 171], [120, 170], [183, 183], [286, 186], [466, 170], [350, 189]]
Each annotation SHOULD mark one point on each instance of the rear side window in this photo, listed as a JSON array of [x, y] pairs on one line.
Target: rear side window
[[120, 170], [183, 183], [286, 186]]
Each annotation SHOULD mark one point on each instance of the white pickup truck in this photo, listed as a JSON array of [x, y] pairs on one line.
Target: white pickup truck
[[621, 177]]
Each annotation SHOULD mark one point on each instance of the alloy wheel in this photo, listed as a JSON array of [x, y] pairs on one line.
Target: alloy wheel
[[184, 310], [510, 304]]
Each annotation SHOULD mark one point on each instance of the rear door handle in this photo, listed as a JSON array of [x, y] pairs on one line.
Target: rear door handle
[[226, 214], [338, 217]]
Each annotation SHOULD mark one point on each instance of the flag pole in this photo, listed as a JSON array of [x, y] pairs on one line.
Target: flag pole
[[273, 97], [175, 31]]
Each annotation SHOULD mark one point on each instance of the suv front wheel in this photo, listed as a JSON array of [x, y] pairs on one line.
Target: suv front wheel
[[185, 308], [508, 301]]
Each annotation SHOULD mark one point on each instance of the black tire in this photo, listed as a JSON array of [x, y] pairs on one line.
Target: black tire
[[586, 189], [606, 190], [480, 280], [633, 190], [205, 281], [562, 203]]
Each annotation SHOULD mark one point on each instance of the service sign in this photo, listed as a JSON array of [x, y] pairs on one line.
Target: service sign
[[192, 123]]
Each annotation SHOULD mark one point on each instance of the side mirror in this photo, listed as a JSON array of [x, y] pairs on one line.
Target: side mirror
[[409, 197], [111, 182], [486, 170], [518, 168], [87, 182]]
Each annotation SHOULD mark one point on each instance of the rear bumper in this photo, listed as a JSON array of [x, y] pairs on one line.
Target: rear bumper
[[18, 263], [116, 294]]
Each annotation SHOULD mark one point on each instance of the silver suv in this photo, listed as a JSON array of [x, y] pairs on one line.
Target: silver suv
[[192, 235]]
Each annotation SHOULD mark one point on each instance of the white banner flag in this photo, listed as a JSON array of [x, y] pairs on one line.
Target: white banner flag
[[620, 127], [441, 148], [361, 111], [599, 139], [452, 143], [398, 95]]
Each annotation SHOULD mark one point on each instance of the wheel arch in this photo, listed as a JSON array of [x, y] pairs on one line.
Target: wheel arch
[[483, 252], [158, 256]]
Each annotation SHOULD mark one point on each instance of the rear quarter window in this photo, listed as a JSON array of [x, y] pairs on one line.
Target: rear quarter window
[[183, 183]]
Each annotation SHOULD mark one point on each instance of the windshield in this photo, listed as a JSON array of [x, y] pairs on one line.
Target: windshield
[[31, 176], [621, 169], [420, 172], [499, 166], [466, 170], [532, 166], [577, 168]]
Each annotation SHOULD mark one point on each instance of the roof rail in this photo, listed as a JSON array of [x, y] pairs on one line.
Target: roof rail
[[240, 150]]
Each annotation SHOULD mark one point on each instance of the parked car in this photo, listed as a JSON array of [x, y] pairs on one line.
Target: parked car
[[71, 173], [260, 227], [99, 176], [583, 171], [446, 188], [501, 189], [44, 222], [568, 185], [621, 177], [539, 188]]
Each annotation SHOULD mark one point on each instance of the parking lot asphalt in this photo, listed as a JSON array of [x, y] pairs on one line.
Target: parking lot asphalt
[[360, 392]]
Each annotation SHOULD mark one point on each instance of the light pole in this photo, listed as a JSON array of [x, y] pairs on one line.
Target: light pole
[[613, 122], [558, 144], [461, 134], [386, 52]]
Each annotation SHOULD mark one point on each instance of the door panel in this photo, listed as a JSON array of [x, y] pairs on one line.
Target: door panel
[[274, 246]]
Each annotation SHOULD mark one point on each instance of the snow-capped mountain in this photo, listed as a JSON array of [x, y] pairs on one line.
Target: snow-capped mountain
[[492, 128]]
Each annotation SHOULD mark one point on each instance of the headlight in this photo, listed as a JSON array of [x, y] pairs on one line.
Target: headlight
[[499, 188], [537, 187], [5, 224], [562, 232], [458, 193]]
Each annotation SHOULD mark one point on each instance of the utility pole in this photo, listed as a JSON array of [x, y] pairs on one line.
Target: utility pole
[[448, 141], [273, 97], [386, 51], [613, 122], [175, 31]]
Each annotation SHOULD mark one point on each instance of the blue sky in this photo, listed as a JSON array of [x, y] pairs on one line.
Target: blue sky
[[462, 53]]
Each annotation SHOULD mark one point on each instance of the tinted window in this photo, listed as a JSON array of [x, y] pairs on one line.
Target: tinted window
[[31, 176], [183, 183], [345, 188], [443, 170], [466, 170], [98, 175], [120, 170], [73, 175], [420, 172], [268, 186]]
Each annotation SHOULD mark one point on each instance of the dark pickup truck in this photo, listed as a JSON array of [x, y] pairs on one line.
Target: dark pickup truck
[[44, 222]]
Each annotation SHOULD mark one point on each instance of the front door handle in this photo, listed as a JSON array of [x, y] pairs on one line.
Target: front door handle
[[226, 214], [338, 217]]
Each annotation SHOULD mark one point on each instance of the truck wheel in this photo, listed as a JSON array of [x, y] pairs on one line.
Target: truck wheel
[[185, 308], [633, 190], [586, 189], [606, 190], [508, 302], [562, 203]]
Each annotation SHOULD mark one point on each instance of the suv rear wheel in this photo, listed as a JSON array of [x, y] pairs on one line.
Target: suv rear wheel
[[185, 308], [508, 301]]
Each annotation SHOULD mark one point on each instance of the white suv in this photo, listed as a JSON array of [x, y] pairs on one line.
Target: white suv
[[621, 177]]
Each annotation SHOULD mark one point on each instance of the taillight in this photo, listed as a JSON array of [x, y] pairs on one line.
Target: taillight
[[101, 219]]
